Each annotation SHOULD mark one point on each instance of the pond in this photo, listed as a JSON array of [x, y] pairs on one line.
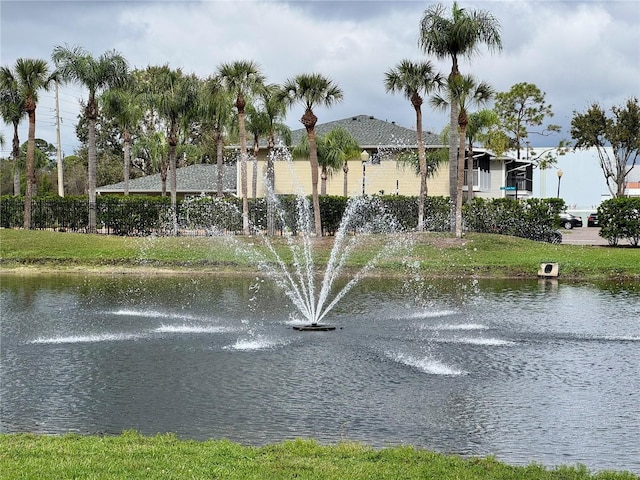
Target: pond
[[528, 371]]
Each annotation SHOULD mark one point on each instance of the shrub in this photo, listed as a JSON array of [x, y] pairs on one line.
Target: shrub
[[134, 215], [533, 218], [620, 218], [405, 210], [211, 214], [332, 209]]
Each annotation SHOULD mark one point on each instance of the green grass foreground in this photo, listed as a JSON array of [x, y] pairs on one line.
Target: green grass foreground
[[439, 255], [133, 456]]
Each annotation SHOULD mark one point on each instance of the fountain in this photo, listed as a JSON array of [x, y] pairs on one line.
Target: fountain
[[363, 218], [365, 223]]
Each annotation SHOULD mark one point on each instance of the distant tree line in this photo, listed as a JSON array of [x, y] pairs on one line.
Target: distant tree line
[[146, 121]]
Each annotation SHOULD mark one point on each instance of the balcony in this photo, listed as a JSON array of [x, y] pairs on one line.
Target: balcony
[[481, 180]]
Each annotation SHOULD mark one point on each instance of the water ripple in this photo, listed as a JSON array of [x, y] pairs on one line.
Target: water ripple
[[456, 326], [193, 329], [491, 342], [259, 343], [153, 314], [106, 337], [425, 364]]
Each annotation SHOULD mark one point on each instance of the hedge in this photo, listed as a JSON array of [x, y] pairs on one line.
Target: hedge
[[142, 215], [533, 218], [619, 218]]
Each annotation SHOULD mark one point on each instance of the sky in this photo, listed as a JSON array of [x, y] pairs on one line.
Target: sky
[[577, 52]]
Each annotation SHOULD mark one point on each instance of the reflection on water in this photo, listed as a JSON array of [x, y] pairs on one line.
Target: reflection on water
[[527, 371]]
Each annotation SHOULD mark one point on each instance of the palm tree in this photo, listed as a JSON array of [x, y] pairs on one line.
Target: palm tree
[[125, 107], [28, 77], [265, 119], [311, 90], [334, 150], [153, 149], [12, 111], [273, 110], [110, 70], [176, 99], [454, 37], [477, 126], [302, 150], [340, 146], [257, 124], [242, 78], [215, 114], [415, 80], [464, 91]]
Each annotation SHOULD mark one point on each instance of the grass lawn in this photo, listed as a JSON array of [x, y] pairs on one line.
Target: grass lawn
[[132, 456], [481, 255]]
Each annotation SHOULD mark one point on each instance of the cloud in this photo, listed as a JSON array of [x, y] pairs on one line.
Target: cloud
[[576, 52], [577, 56]]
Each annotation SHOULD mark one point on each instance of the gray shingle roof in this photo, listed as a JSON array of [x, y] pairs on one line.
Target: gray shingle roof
[[191, 179], [373, 133]]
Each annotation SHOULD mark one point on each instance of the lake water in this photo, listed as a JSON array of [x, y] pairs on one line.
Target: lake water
[[528, 371]]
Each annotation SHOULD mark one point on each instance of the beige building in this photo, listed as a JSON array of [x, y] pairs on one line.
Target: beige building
[[375, 171], [386, 177]]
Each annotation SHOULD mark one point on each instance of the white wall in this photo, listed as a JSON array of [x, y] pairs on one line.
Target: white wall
[[582, 185]]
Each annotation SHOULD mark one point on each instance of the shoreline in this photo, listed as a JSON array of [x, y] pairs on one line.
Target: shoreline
[[168, 271]]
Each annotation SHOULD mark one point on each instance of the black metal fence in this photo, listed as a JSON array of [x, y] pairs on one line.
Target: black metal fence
[[115, 216]]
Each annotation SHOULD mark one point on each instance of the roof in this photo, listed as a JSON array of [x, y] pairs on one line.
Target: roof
[[371, 132], [190, 179]]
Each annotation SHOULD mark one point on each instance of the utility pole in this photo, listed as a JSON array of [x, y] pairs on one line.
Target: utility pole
[[59, 147]]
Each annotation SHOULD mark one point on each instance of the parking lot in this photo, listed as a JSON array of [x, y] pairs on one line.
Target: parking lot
[[585, 236]]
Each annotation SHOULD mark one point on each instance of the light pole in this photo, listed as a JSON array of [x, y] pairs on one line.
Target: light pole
[[364, 156], [559, 177]]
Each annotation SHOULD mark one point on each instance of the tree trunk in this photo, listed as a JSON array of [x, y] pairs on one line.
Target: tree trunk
[[243, 174], [309, 121], [313, 159], [345, 169], [16, 179], [453, 146], [127, 159], [454, 141], [323, 181], [173, 183], [423, 168], [31, 175], [271, 181], [15, 153], [459, 183], [219, 163], [92, 164], [254, 173], [470, 172], [621, 171]]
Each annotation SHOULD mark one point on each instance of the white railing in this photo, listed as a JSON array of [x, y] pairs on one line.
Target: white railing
[[481, 180]]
